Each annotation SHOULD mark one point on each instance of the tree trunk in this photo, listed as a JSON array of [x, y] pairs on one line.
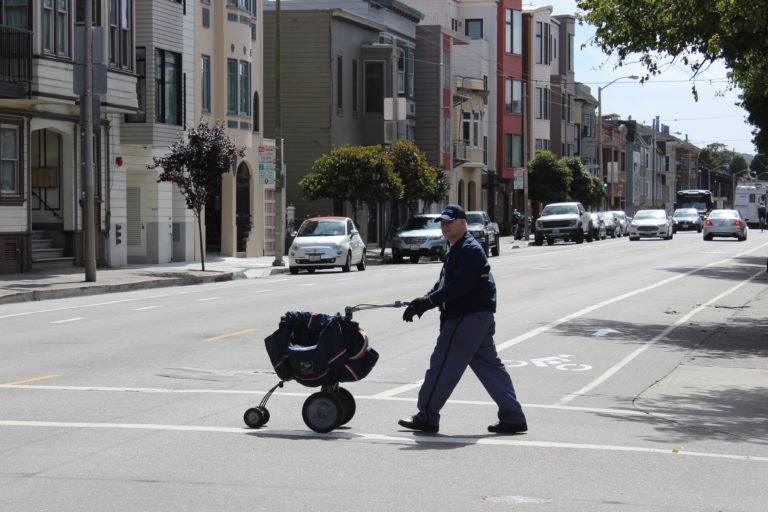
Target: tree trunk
[[200, 233]]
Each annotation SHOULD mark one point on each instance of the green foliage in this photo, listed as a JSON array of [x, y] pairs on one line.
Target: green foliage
[[738, 164], [695, 33], [549, 179], [353, 173], [759, 165], [598, 192], [420, 180], [581, 185]]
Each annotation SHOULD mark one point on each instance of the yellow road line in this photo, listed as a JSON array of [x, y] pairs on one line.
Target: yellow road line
[[31, 380], [508, 275], [230, 334]]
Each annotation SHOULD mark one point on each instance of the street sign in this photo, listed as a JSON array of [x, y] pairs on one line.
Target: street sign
[[267, 165]]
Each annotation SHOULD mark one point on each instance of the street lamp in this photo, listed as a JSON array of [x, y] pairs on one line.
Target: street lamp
[[600, 122]]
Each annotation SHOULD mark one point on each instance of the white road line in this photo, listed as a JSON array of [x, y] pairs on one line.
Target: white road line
[[67, 320], [400, 389], [144, 308], [490, 440], [621, 364], [589, 309], [206, 299]]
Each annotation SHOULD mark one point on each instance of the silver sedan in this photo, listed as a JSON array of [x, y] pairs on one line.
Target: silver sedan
[[725, 223], [653, 223]]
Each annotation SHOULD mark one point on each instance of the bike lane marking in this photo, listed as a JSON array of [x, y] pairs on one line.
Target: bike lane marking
[[544, 328], [630, 357]]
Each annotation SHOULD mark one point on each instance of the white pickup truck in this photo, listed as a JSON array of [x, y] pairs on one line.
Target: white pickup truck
[[485, 231], [563, 221]]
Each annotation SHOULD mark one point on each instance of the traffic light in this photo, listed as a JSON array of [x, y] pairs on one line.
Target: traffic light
[[118, 234], [605, 185]]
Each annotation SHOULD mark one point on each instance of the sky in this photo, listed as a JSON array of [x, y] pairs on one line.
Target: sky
[[715, 117]]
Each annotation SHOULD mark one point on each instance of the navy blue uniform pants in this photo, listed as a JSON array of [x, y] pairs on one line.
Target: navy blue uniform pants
[[467, 341]]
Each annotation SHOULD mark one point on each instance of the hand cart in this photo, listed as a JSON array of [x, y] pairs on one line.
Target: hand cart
[[319, 351]]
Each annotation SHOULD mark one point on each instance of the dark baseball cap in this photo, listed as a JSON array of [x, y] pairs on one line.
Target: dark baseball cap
[[452, 212]]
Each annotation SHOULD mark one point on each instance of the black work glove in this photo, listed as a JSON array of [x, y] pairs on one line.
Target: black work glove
[[417, 307]]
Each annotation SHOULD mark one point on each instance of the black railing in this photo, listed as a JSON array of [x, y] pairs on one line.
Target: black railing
[[54, 211], [15, 55]]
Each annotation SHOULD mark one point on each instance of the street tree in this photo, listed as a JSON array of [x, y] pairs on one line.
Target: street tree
[[421, 181], [738, 164], [549, 179], [759, 164], [353, 174], [598, 192], [581, 185], [695, 33], [196, 163]]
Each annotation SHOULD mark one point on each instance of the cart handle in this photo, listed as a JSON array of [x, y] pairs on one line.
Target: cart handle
[[349, 310]]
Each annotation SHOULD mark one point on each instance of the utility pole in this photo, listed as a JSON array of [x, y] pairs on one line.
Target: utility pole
[[279, 216], [89, 228]]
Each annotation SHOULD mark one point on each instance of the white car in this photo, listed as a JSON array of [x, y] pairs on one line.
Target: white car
[[326, 242], [651, 223]]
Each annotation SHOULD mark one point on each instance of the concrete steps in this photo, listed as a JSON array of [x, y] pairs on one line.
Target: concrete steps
[[46, 255]]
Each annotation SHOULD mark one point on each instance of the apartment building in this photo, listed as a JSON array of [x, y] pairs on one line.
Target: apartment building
[[563, 134], [585, 106], [229, 78], [41, 141], [348, 77], [537, 33]]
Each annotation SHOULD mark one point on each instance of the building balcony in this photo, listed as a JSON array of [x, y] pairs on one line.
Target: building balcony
[[15, 62], [466, 155]]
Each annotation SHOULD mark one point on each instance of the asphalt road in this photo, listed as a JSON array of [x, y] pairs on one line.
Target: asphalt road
[[134, 401]]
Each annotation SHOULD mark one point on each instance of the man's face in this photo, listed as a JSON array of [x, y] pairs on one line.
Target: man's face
[[453, 229]]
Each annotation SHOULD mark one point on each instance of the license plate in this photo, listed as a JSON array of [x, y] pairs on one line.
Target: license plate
[[555, 230], [314, 257], [415, 247]]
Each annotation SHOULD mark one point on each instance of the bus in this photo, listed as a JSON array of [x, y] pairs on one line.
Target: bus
[[699, 199], [746, 199]]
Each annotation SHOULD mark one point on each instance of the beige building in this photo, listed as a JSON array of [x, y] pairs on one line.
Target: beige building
[[470, 153], [229, 84]]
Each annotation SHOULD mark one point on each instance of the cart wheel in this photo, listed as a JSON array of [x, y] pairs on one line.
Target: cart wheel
[[322, 411], [348, 403], [255, 417]]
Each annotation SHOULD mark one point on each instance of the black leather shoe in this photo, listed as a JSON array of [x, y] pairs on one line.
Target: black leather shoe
[[502, 427], [413, 424]]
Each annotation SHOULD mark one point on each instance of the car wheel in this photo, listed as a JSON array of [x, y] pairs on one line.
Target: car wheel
[[397, 256], [415, 258], [538, 240], [743, 238], [590, 235], [311, 270], [347, 264], [294, 270], [496, 248], [634, 238], [708, 237], [579, 238], [361, 265], [550, 241]]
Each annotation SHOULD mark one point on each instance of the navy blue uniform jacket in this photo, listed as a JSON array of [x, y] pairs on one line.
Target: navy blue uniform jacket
[[465, 284]]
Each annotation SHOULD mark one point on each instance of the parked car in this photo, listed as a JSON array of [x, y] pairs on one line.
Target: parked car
[[485, 231], [563, 221], [419, 236], [623, 221], [598, 227], [612, 224], [686, 219], [326, 242], [651, 223], [725, 223]]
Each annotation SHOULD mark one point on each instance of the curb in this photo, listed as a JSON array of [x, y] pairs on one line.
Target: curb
[[98, 289]]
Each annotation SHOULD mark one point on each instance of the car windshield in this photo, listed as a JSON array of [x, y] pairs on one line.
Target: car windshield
[[559, 209], [723, 214], [606, 216], [419, 223], [322, 227], [686, 212], [649, 214], [475, 218]]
